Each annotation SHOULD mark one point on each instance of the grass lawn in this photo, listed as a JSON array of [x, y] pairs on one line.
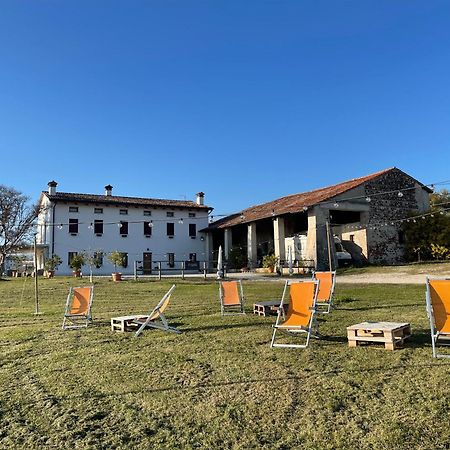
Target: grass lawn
[[219, 384]]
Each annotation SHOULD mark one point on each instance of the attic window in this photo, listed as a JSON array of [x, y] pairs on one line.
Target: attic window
[[169, 214], [123, 212], [147, 213], [73, 209]]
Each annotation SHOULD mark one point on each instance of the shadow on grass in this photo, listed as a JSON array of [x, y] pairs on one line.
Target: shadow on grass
[[227, 326], [308, 374], [368, 308]]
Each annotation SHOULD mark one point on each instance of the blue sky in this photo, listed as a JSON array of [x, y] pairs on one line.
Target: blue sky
[[245, 100]]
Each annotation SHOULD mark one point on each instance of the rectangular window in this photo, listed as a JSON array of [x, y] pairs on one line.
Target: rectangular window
[[98, 210], [170, 229], [352, 238], [147, 213], [98, 259], [98, 226], [124, 260], [70, 257], [170, 214], [148, 228], [193, 257], [171, 259], [192, 230], [73, 208], [123, 212], [123, 229], [191, 214], [73, 226]]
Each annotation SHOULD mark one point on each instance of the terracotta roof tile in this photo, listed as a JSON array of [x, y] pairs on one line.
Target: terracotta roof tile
[[125, 201], [293, 203]]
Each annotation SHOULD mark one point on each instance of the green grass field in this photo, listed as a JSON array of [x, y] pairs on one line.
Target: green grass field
[[219, 384]]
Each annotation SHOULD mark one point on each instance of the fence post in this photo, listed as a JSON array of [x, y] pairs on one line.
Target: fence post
[[204, 269], [182, 270], [159, 270], [135, 271]]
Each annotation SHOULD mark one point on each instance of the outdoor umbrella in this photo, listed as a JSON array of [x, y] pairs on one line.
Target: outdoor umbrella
[[219, 263]]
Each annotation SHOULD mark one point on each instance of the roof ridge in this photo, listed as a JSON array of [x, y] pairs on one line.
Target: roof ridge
[[102, 196], [375, 174]]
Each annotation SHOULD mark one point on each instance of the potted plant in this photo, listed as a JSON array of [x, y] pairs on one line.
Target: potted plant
[[17, 263], [51, 265], [94, 259], [117, 259], [77, 262], [269, 262]]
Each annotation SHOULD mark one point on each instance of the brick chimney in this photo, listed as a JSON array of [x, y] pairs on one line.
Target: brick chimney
[[200, 198], [108, 190], [52, 187]]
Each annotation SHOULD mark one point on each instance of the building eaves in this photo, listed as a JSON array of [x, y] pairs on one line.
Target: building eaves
[[123, 201], [296, 202]]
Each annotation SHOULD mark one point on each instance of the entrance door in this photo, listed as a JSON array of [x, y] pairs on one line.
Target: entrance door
[[147, 263]]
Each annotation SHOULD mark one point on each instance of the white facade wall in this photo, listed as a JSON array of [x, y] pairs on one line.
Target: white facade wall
[[134, 244]]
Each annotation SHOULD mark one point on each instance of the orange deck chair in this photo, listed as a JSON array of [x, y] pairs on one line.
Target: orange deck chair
[[77, 313], [300, 315], [326, 291], [438, 309], [231, 298], [157, 319]]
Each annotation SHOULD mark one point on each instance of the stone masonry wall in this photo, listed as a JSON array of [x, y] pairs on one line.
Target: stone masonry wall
[[382, 235]]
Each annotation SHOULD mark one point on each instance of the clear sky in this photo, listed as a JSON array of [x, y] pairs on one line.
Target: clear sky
[[245, 100]]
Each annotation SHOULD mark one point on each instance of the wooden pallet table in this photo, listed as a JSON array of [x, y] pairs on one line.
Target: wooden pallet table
[[269, 307], [125, 323], [391, 334]]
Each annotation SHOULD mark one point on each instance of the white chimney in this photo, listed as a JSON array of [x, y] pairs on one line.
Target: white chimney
[[108, 190], [200, 200], [52, 187]]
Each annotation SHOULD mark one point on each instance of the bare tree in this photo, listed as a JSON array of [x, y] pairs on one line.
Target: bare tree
[[17, 220]]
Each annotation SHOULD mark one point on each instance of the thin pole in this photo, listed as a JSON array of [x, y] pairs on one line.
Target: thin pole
[[182, 270], [36, 287], [330, 263], [159, 270], [135, 271]]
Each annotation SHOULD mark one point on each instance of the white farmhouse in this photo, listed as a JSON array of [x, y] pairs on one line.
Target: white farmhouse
[[149, 231]]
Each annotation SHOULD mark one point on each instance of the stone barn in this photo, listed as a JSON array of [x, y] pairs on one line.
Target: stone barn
[[364, 213]]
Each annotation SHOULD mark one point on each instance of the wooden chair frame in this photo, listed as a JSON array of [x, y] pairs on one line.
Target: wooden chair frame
[[157, 313], [436, 334], [310, 329], [325, 307], [231, 309], [77, 320]]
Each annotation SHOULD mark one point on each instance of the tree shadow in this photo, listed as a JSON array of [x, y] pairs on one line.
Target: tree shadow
[[368, 308]]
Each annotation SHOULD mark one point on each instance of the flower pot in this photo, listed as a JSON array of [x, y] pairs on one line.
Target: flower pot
[[50, 273], [77, 273], [116, 276]]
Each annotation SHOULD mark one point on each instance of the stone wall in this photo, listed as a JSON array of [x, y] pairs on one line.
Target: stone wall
[[382, 233]]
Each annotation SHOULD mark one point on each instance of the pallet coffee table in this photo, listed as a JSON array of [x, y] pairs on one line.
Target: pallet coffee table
[[125, 323], [266, 308], [391, 334]]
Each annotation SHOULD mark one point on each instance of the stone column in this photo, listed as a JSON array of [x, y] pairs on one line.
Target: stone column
[[317, 242], [208, 247], [278, 237], [252, 254], [228, 241]]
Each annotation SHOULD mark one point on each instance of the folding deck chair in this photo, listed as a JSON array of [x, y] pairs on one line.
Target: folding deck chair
[[438, 310], [231, 298], [78, 307], [157, 313], [300, 315], [326, 291]]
